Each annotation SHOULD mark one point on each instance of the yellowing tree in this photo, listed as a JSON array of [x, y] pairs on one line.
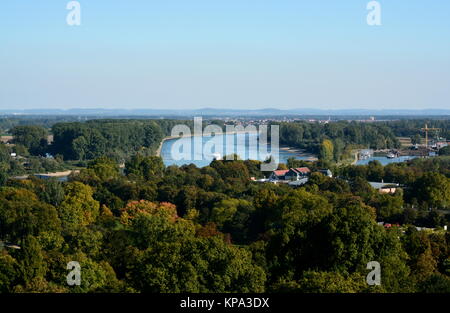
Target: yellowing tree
[[78, 207], [134, 208], [327, 150]]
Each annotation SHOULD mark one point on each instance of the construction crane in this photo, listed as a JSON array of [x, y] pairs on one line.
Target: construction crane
[[426, 130]]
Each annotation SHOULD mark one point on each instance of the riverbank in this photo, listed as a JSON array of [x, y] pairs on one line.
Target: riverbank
[[355, 161], [299, 152], [61, 174]]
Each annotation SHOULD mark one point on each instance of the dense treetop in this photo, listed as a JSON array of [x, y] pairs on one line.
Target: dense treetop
[[188, 229]]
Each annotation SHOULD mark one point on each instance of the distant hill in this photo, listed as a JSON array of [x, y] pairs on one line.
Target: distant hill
[[227, 112]]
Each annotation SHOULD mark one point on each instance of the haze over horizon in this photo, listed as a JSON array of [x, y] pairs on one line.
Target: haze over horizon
[[234, 54]]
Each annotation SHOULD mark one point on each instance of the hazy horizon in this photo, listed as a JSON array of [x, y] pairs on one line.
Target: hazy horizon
[[234, 54], [445, 113]]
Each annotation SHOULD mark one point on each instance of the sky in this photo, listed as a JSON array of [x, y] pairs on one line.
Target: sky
[[240, 54]]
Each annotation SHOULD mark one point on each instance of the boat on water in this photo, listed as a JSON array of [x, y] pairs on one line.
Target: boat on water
[[391, 155]]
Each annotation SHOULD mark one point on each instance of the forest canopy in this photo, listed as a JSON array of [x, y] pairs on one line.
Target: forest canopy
[[188, 229]]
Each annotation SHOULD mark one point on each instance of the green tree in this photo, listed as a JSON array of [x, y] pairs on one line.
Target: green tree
[[375, 171], [416, 139], [225, 211], [444, 151], [79, 207], [172, 259], [31, 260], [433, 189], [22, 214], [436, 283], [50, 191], [233, 216], [148, 168], [326, 150], [8, 272], [329, 282], [34, 138], [96, 276], [389, 207]]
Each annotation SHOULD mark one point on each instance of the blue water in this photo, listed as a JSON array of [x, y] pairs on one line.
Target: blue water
[[385, 160], [59, 178], [244, 145]]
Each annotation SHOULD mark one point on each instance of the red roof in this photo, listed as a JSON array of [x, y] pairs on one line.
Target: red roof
[[303, 170], [280, 172]]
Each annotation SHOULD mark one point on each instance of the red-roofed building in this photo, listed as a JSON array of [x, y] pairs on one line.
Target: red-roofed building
[[279, 175], [297, 173], [292, 174]]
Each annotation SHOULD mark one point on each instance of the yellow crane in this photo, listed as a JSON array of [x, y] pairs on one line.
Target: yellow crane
[[426, 130]]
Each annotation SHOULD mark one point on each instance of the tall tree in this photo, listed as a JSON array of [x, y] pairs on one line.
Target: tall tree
[[326, 150], [34, 138]]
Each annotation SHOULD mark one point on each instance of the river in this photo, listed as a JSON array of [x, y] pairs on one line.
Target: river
[[385, 160], [245, 145]]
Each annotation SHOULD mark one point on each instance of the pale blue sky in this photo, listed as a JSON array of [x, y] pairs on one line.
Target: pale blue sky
[[185, 54]]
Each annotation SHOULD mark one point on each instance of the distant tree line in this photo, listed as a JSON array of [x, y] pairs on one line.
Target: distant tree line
[[114, 138], [335, 140], [412, 127]]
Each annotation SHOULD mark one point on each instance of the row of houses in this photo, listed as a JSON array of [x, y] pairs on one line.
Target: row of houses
[[296, 177], [293, 176], [388, 225]]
